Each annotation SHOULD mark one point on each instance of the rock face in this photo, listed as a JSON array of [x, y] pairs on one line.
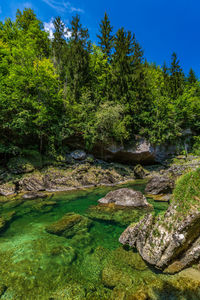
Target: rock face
[[32, 183], [159, 185], [167, 243], [125, 197], [141, 151], [69, 225], [171, 241]]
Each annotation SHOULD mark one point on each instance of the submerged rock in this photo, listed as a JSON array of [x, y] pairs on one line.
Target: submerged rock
[[159, 185], [125, 197], [171, 241], [69, 225], [5, 220], [119, 214], [32, 196]]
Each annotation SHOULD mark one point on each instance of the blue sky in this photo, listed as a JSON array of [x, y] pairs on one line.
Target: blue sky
[[161, 26]]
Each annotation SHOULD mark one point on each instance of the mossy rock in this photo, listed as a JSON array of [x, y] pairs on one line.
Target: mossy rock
[[69, 225], [20, 165], [120, 215]]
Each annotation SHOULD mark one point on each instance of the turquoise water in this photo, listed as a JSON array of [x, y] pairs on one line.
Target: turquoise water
[[35, 264]]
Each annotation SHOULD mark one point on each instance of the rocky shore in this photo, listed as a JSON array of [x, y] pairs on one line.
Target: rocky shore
[[76, 171], [171, 241]]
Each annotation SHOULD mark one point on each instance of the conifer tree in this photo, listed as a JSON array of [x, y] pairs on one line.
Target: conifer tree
[[59, 46], [122, 61], [78, 59], [192, 77], [105, 36], [165, 71], [176, 78]]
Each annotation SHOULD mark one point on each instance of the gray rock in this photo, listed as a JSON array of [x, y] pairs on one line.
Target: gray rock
[[7, 189], [32, 183], [170, 243], [125, 197], [78, 155], [159, 185]]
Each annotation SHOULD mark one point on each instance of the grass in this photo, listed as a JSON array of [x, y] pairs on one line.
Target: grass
[[186, 194]]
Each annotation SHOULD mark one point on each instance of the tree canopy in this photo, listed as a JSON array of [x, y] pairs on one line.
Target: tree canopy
[[54, 89]]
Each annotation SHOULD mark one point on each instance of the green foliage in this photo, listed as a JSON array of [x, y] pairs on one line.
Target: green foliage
[[51, 90], [196, 145], [187, 191]]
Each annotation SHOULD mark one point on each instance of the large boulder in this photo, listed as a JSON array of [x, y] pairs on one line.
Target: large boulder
[[171, 241], [125, 197], [159, 185]]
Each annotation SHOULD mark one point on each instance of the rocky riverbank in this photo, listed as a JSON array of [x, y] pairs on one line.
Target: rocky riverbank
[[76, 171], [171, 241], [80, 170]]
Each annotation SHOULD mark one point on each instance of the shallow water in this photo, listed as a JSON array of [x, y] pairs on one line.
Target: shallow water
[[90, 265]]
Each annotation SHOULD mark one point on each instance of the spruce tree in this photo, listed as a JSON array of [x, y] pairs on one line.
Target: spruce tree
[[59, 46], [78, 59], [165, 70], [176, 78], [192, 77], [105, 36], [122, 61]]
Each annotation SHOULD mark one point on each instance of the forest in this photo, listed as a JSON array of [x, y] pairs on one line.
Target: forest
[[53, 89]]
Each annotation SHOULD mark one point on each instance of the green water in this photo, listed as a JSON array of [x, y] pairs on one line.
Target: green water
[[90, 265]]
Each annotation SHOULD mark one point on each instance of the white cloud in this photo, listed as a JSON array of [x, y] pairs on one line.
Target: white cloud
[[61, 6], [49, 27]]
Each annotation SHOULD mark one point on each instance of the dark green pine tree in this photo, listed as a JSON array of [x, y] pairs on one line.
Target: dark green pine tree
[[177, 78], [140, 104], [105, 37], [166, 89], [192, 77], [59, 46], [78, 59], [122, 61]]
